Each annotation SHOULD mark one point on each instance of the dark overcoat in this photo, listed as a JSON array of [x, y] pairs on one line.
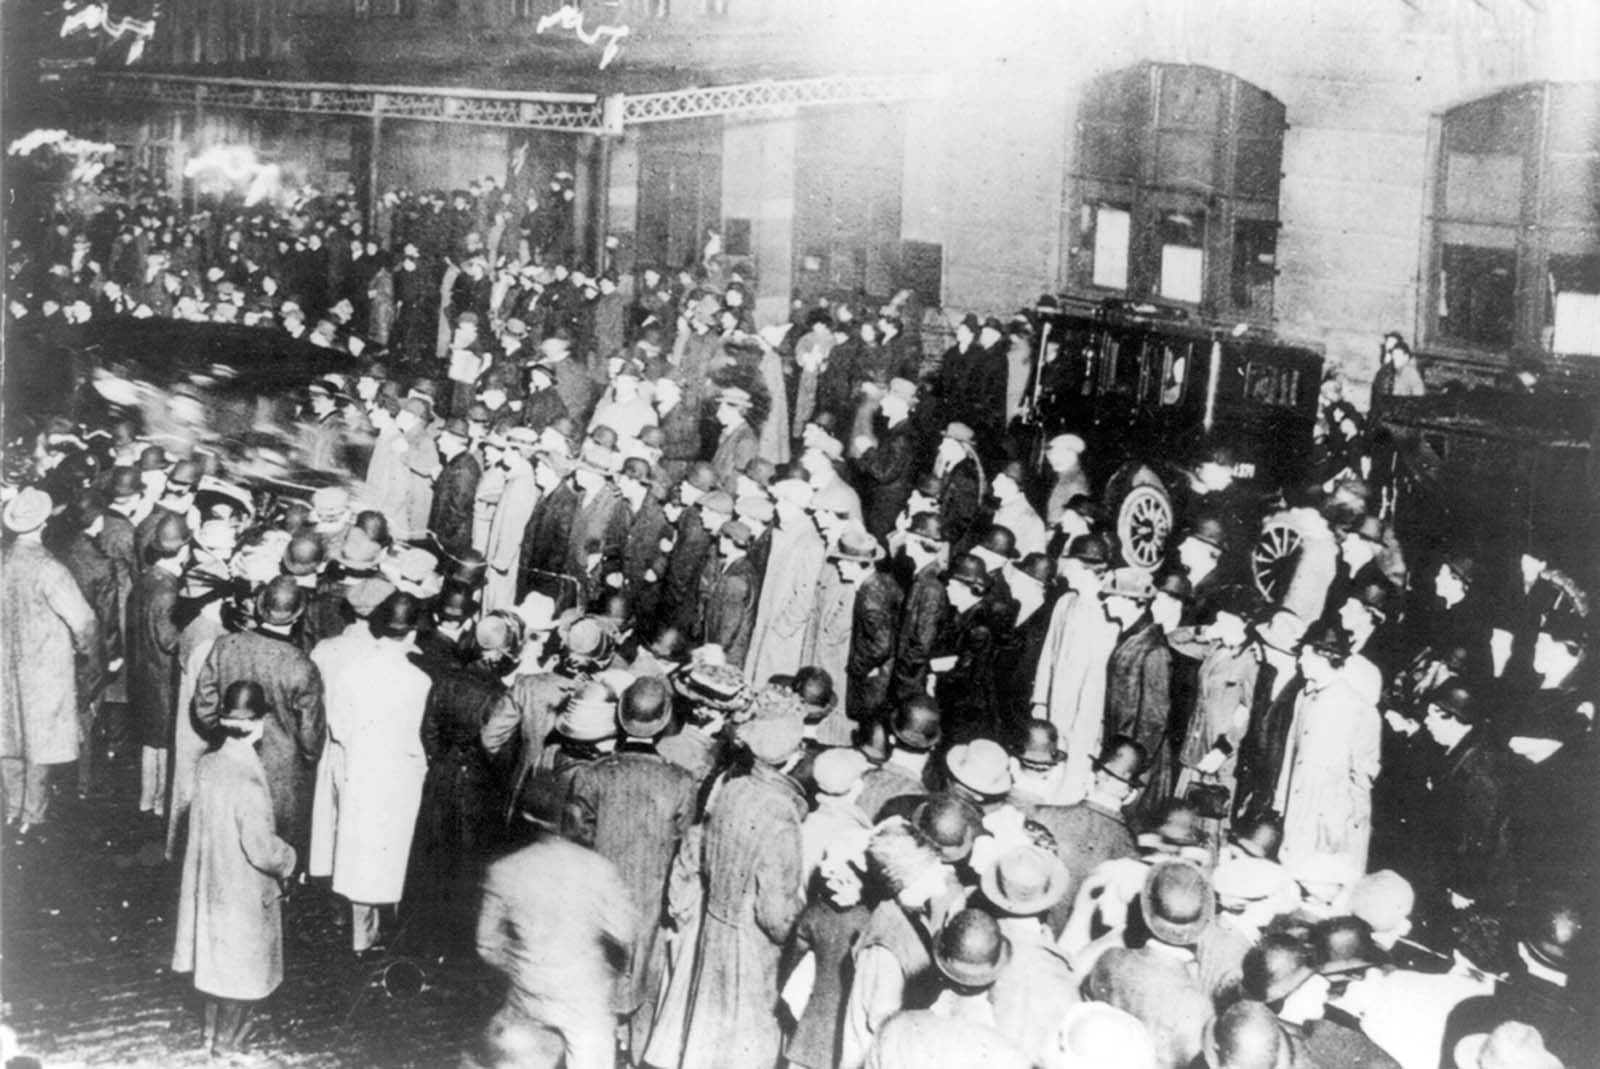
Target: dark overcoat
[[632, 807], [153, 655], [885, 473], [297, 725], [873, 629], [450, 516], [1139, 701], [751, 868], [919, 629]]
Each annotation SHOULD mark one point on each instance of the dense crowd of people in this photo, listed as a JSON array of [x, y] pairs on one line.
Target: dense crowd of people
[[746, 695]]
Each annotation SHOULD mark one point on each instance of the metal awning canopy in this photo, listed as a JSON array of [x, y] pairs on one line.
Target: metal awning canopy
[[583, 113]]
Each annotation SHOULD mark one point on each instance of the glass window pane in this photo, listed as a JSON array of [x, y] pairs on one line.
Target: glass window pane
[[1487, 188], [1255, 260], [1477, 295], [1573, 305], [1572, 190], [1112, 227], [1182, 242]]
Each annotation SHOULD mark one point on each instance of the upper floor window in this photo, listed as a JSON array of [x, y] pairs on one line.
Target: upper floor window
[[1176, 189], [1514, 240]]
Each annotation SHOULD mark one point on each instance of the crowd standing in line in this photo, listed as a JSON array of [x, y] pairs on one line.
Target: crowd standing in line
[[746, 698]]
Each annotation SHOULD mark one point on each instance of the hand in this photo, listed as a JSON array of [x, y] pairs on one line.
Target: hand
[[1210, 762], [1459, 902], [114, 667], [614, 580], [942, 664], [650, 576]]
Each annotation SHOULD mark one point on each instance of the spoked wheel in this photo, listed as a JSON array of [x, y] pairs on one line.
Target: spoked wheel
[[1144, 522], [1273, 561]]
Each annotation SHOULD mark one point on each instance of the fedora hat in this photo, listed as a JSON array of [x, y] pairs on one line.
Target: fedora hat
[[959, 432], [645, 710], [587, 638], [358, 552], [969, 570], [1177, 902], [1513, 1045], [838, 769], [28, 511], [857, 545], [538, 612], [1132, 583], [1281, 631], [1343, 945], [1090, 549], [1025, 881], [980, 766], [1041, 751], [970, 949], [280, 602]]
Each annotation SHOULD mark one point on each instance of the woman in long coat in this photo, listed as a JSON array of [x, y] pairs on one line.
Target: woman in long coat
[[375, 707], [230, 914], [1334, 753]]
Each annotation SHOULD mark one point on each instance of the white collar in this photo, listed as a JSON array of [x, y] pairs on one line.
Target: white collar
[[1540, 971]]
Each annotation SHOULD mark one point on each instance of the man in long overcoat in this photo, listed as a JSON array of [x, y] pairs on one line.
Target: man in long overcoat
[[644, 562], [548, 529], [789, 591], [632, 807], [296, 723], [750, 863], [509, 525], [727, 613], [925, 605], [153, 657], [454, 494], [45, 626], [1139, 679], [98, 578], [599, 526]]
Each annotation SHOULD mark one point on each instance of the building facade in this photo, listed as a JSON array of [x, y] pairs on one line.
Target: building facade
[[1324, 171]]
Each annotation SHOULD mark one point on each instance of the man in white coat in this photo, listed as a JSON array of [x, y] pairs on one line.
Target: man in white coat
[[789, 592], [1069, 688], [510, 520], [375, 702]]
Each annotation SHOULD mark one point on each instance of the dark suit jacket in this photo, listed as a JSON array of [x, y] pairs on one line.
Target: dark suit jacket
[[874, 620], [1471, 808], [919, 629], [599, 525], [1265, 739], [884, 475], [641, 549], [1139, 686], [728, 610], [153, 655], [450, 517], [689, 551], [544, 543], [1160, 991]]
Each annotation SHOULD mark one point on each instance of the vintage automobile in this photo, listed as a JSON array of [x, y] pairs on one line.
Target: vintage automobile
[[225, 388], [1513, 468], [1149, 388]]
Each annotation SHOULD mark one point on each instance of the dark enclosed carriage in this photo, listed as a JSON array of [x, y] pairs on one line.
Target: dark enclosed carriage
[[1150, 389]]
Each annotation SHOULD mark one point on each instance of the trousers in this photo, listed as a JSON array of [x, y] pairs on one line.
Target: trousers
[[27, 790]]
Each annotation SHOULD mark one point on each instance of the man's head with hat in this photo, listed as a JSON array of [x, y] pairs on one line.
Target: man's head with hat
[[716, 509], [1253, 890], [957, 442], [996, 547], [898, 401], [979, 769], [1279, 634], [1084, 564], [26, 514], [645, 710], [970, 950], [1202, 546], [916, 726], [1324, 649], [1025, 881], [838, 773], [951, 823], [776, 739], [455, 437], [966, 582], [1452, 708], [814, 686], [1559, 647], [734, 539], [1119, 772], [1176, 902], [855, 554], [1125, 595], [1064, 454]]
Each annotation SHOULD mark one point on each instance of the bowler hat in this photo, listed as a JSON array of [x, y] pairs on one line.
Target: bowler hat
[[916, 724], [123, 483], [1025, 881], [455, 602], [646, 708], [970, 571], [586, 638], [171, 534], [754, 508], [999, 540], [1344, 944], [1210, 530], [970, 949], [280, 602], [1090, 549], [980, 766], [397, 615], [1330, 640], [1455, 698], [951, 823], [303, 555], [1377, 597], [185, 473], [718, 501], [737, 532], [456, 427], [1384, 899], [358, 552], [153, 458], [773, 739], [1177, 902]]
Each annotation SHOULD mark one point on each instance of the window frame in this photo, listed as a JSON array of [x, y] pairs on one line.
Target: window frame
[[1131, 182], [1537, 234]]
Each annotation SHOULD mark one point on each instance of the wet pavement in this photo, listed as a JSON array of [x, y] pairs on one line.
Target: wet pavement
[[87, 910]]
